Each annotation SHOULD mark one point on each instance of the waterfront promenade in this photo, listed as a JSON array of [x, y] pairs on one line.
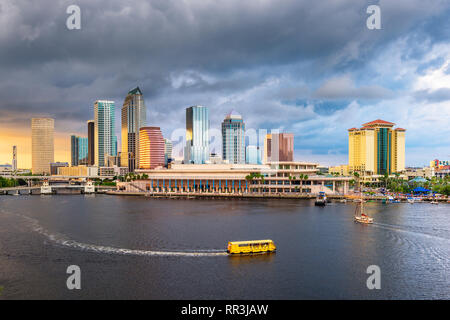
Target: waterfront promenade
[[250, 195]]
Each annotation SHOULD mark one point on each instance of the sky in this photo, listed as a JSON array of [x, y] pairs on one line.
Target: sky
[[308, 67]]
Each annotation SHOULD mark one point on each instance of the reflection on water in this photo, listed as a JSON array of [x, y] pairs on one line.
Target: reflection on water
[[239, 260], [136, 247]]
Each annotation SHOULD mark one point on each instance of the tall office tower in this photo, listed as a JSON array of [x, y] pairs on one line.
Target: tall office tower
[[78, 150], [167, 151], [376, 148], [83, 147], [91, 142], [134, 117], [73, 150], [197, 135], [14, 159], [151, 148], [233, 138], [252, 155], [114, 146], [279, 147], [42, 144], [104, 119]]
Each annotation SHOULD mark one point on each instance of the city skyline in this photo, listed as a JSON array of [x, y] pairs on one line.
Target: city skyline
[[315, 86]]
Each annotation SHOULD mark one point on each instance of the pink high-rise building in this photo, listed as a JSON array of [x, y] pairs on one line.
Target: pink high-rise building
[[151, 148]]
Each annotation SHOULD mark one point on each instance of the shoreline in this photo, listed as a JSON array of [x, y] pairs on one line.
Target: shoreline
[[253, 196]]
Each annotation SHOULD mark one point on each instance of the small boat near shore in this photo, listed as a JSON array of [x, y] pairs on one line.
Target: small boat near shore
[[360, 215], [321, 199]]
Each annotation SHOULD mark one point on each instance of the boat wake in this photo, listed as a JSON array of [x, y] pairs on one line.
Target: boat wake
[[397, 229], [62, 240]]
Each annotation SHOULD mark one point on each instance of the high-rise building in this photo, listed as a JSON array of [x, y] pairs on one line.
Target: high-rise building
[[376, 148], [167, 151], [14, 159], [279, 147], [151, 148], [83, 149], [197, 135], [78, 150], [73, 150], [105, 141], [91, 142], [253, 155], [233, 138], [42, 144], [134, 117]]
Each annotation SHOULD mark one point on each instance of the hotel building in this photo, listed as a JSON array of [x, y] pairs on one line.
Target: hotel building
[[104, 139], [42, 144], [151, 148], [197, 135], [376, 148], [233, 138], [134, 117], [279, 147]]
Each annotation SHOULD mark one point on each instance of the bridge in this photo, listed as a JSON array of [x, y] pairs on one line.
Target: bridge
[[53, 189]]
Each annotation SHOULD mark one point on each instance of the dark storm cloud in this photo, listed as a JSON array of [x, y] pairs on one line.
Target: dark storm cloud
[[197, 52]]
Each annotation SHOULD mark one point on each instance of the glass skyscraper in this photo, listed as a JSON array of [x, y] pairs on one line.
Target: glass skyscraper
[[197, 135], [253, 155], [233, 138], [167, 151], [78, 150], [134, 117], [91, 142], [105, 140]]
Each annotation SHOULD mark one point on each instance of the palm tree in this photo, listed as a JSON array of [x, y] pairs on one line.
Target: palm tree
[[305, 177], [301, 176], [356, 175]]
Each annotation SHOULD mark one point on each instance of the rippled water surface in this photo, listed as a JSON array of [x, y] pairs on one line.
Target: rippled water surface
[[141, 248]]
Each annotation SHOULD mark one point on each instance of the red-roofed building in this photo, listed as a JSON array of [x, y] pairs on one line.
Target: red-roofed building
[[378, 122], [377, 148]]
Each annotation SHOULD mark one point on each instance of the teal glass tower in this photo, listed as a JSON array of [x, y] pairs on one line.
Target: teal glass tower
[[233, 138], [105, 139], [78, 150]]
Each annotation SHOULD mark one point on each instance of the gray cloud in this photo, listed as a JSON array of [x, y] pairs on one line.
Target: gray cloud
[[344, 88], [438, 95]]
